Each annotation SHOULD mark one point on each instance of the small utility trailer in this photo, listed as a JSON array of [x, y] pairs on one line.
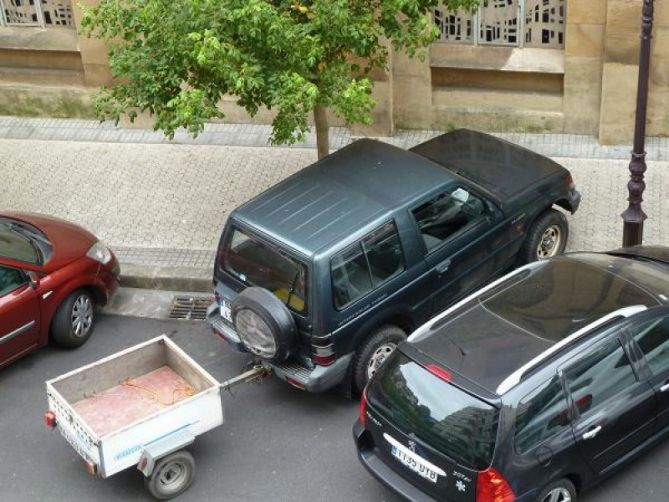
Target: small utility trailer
[[140, 407]]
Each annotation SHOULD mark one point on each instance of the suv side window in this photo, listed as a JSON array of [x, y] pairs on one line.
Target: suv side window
[[540, 415], [653, 339], [10, 279], [447, 214], [601, 375], [366, 265]]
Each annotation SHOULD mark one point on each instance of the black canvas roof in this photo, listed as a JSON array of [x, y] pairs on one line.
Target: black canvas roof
[[498, 166]]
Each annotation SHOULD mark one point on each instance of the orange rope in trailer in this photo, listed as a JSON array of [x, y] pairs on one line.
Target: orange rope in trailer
[[182, 391]]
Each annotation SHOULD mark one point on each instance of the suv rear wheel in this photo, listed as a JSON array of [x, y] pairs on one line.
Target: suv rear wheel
[[547, 237], [374, 352], [559, 491]]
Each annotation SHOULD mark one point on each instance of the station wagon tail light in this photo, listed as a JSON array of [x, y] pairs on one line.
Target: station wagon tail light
[[492, 487], [363, 408], [50, 419], [440, 372]]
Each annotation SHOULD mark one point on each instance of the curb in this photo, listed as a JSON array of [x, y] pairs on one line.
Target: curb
[[166, 278]]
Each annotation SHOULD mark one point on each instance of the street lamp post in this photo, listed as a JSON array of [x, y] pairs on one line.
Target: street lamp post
[[633, 216]]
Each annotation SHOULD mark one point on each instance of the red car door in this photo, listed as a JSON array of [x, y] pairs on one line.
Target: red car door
[[19, 314]]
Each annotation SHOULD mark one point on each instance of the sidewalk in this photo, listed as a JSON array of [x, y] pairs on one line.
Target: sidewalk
[[161, 205]]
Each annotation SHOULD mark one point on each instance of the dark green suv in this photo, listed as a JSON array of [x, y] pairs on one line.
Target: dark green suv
[[322, 275]]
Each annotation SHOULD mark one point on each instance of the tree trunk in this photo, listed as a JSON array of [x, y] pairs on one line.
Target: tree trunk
[[322, 131]]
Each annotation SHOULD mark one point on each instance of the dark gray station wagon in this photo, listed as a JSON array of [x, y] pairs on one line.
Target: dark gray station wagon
[[325, 273]]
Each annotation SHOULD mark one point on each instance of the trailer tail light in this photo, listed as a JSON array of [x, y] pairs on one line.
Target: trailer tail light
[[322, 351], [50, 419], [363, 408], [91, 468], [492, 487]]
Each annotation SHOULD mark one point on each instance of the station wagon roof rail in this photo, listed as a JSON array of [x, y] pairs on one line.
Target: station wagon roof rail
[[434, 323], [514, 378]]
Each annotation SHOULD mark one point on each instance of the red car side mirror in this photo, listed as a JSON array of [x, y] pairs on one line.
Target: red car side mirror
[[33, 279]]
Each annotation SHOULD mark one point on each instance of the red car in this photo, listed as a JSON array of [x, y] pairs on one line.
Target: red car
[[52, 275]]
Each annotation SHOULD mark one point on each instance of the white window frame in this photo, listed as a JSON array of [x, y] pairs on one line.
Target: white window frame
[[40, 23], [476, 30]]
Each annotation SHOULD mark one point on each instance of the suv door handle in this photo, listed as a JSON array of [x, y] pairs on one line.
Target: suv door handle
[[664, 388], [592, 432], [443, 266]]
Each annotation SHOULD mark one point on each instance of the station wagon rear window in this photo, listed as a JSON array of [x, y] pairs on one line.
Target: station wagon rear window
[[417, 402], [256, 263]]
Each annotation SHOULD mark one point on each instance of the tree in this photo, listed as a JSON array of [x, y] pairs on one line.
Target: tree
[[177, 58]]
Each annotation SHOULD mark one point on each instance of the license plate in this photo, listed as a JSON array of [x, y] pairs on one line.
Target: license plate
[[415, 463], [226, 313]]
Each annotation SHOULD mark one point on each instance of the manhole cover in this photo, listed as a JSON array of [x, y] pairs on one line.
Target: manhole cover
[[190, 307]]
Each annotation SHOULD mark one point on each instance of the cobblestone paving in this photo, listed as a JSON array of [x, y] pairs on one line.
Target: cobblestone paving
[[164, 204], [554, 145]]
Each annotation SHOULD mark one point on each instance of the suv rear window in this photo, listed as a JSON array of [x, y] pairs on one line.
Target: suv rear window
[[256, 263], [443, 416]]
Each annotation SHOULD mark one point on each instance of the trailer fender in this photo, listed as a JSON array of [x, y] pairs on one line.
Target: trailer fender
[[161, 448]]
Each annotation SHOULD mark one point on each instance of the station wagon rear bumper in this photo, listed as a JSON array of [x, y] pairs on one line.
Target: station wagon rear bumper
[[382, 472]]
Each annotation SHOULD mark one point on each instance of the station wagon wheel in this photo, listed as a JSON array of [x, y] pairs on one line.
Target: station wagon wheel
[[73, 322], [546, 237], [373, 352], [171, 476], [379, 355], [559, 491]]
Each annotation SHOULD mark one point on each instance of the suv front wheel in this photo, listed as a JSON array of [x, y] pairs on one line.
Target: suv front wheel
[[374, 352], [547, 237]]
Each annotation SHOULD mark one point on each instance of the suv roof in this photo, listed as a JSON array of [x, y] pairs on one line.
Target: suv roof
[[493, 336], [343, 192]]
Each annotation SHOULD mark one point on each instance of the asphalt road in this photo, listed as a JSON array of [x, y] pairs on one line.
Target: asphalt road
[[277, 443]]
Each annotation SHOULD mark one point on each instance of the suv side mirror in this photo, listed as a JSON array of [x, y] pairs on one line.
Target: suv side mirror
[[33, 279]]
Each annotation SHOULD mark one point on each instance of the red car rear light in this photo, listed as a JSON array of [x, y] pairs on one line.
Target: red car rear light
[[363, 408], [492, 487], [50, 419], [569, 181]]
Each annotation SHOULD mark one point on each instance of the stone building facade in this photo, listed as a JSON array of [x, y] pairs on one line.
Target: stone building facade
[[515, 65]]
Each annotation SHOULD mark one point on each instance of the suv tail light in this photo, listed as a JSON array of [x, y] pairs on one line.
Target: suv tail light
[[363, 408], [492, 487], [322, 351]]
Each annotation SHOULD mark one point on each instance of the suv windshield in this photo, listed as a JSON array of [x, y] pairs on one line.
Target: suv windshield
[[443, 416], [256, 263]]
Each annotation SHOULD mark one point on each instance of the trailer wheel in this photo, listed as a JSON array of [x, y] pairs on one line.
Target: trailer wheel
[[171, 476]]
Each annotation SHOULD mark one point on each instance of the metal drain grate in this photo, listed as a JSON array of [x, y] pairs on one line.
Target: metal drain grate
[[190, 307]]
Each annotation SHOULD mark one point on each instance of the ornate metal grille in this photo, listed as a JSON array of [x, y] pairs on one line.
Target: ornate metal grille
[[516, 23], [455, 26], [44, 13]]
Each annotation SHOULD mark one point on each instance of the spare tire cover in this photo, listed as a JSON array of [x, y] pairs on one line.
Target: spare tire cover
[[264, 324]]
